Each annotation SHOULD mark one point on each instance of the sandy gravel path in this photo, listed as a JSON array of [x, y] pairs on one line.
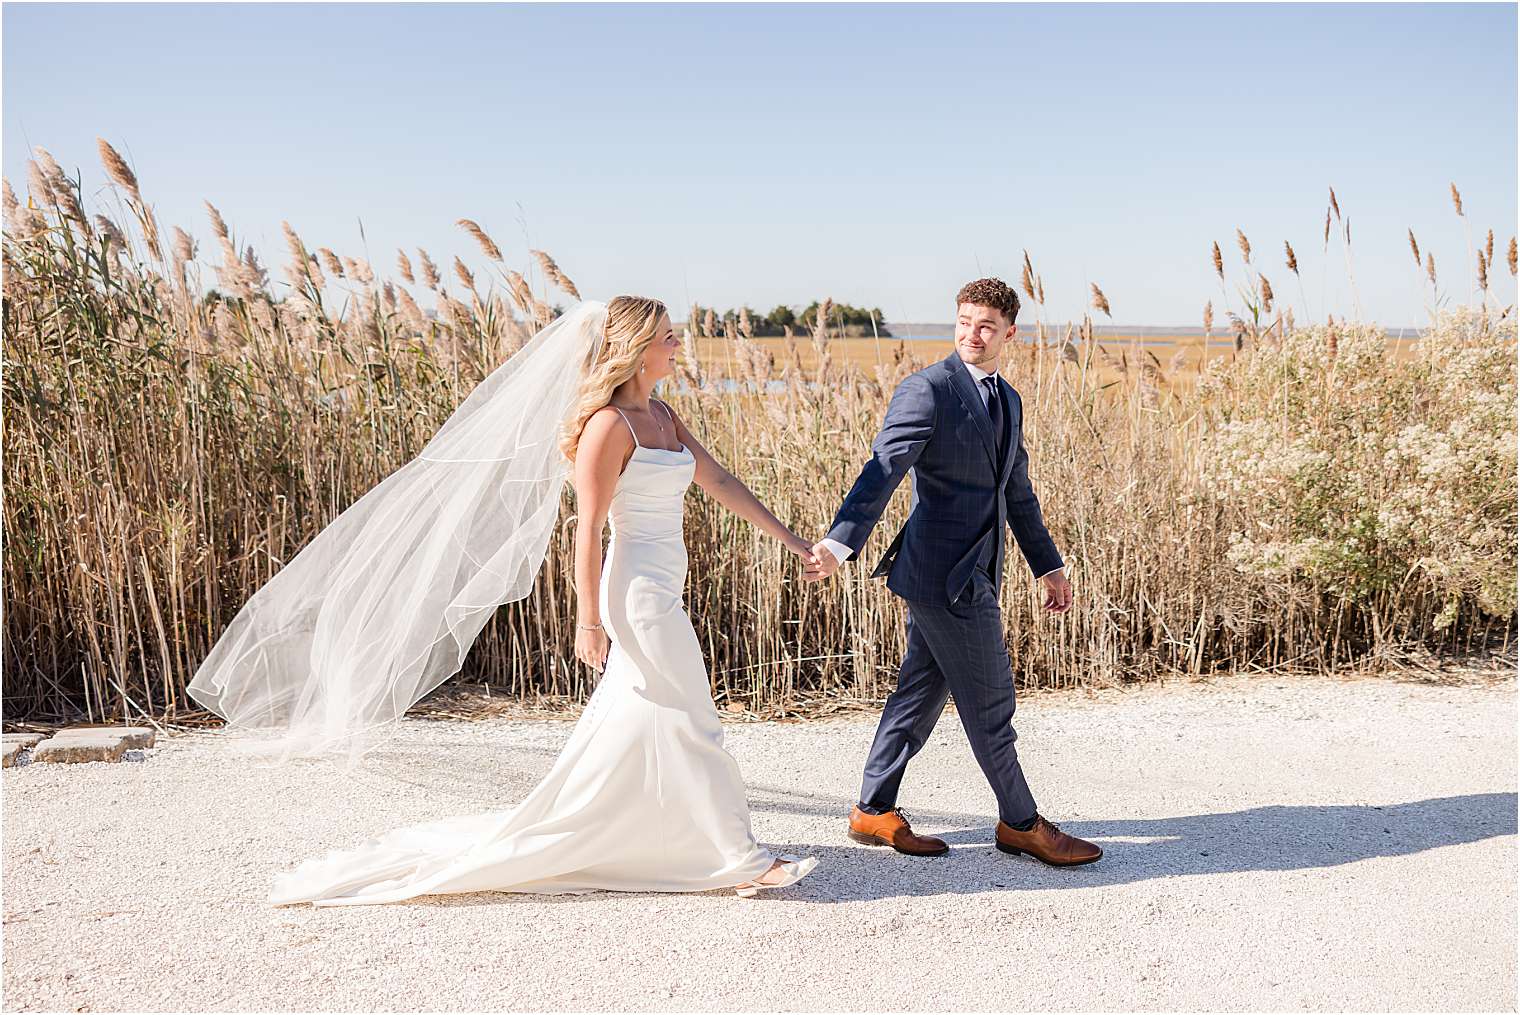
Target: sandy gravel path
[[1271, 843]]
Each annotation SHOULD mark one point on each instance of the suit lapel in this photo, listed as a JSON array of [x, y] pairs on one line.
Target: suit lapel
[[1006, 391], [965, 387]]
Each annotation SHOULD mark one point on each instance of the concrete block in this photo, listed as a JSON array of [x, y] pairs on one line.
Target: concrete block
[[24, 739], [135, 736], [80, 747]]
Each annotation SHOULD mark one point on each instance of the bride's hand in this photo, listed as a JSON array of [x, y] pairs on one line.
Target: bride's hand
[[591, 646], [812, 568]]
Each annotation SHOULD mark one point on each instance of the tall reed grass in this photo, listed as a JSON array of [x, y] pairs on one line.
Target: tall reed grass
[[1308, 502]]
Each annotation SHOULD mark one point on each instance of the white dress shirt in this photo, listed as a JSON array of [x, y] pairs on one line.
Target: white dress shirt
[[840, 551]]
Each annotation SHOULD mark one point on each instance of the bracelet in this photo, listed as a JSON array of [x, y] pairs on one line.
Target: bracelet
[[588, 627]]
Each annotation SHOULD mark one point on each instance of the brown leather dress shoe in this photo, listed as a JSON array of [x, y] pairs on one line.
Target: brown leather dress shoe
[[1047, 843], [891, 829]]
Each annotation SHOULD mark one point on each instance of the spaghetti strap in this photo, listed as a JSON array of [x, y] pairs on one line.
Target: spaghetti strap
[[630, 428]]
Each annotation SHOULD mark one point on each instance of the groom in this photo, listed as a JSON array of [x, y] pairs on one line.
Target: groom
[[958, 427]]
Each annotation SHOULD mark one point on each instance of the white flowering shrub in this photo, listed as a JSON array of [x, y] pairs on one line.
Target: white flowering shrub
[[1336, 462]]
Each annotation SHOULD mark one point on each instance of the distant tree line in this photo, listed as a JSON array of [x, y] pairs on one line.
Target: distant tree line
[[841, 316]]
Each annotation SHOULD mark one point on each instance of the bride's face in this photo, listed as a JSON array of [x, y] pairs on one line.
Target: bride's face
[[660, 357]]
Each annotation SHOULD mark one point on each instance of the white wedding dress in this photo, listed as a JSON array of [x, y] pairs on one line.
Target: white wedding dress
[[643, 798]]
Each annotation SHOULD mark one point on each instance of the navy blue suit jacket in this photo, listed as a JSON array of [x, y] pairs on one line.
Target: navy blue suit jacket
[[937, 427]]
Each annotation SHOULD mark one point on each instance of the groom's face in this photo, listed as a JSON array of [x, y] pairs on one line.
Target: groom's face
[[980, 333]]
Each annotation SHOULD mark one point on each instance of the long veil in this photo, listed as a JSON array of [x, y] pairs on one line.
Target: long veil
[[383, 604]]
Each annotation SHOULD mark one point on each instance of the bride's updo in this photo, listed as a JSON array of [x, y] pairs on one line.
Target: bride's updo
[[630, 328]]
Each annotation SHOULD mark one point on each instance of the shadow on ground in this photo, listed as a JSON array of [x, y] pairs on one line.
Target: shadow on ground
[[1274, 838], [1278, 838]]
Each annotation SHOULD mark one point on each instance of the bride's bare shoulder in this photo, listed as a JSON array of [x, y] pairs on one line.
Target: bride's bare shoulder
[[605, 430]]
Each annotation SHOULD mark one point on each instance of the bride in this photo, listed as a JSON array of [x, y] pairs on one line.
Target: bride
[[384, 603]]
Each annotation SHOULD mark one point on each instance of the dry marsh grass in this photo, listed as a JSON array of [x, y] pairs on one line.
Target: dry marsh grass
[[1302, 498], [1183, 356]]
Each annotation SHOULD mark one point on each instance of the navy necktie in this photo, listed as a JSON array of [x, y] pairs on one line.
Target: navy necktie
[[995, 410]]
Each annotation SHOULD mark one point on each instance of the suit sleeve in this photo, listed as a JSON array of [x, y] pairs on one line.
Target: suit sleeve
[[1024, 508], [905, 430]]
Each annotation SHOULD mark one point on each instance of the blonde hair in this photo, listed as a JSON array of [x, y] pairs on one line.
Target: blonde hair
[[630, 328]]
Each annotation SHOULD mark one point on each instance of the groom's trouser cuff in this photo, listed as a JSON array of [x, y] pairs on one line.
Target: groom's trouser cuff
[[1022, 826]]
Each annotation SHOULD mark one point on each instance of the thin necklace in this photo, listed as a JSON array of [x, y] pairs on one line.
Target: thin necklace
[[657, 424]]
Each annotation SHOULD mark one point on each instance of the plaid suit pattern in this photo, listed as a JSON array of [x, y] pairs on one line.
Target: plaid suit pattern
[[937, 428], [947, 562]]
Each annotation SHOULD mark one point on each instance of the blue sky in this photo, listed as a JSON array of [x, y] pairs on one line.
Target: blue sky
[[881, 155]]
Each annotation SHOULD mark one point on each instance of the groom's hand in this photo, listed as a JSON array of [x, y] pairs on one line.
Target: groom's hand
[[827, 562], [1057, 592]]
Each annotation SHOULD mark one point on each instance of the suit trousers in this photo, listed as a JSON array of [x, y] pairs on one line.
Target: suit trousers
[[954, 650]]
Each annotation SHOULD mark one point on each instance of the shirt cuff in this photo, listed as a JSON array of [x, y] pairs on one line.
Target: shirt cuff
[[839, 550], [1062, 569]]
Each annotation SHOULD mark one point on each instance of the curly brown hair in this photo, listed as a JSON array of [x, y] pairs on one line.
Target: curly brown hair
[[993, 293]]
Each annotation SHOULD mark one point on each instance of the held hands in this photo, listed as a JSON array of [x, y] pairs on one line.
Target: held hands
[[1057, 592], [827, 563], [592, 645], [813, 557]]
